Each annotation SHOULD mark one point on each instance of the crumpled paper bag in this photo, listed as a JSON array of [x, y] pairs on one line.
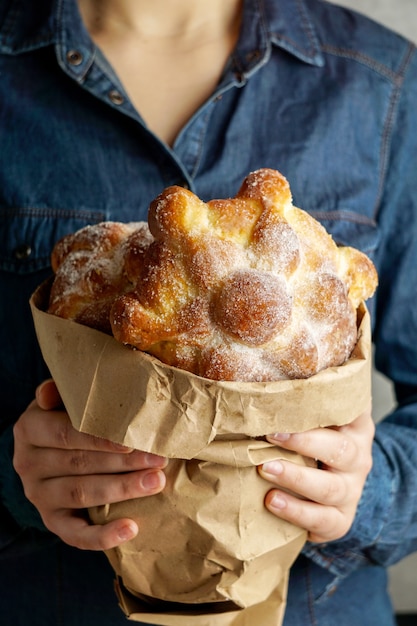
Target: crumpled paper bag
[[208, 553]]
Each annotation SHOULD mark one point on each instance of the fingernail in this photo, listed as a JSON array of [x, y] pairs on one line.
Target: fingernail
[[151, 481], [273, 467], [126, 532], [280, 436], [278, 502]]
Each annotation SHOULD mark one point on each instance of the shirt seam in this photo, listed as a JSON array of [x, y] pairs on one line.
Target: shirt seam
[[308, 29], [344, 216], [310, 596], [7, 29], [389, 125], [10, 212], [362, 58]]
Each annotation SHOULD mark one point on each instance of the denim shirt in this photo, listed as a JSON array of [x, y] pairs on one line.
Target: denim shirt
[[316, 91]]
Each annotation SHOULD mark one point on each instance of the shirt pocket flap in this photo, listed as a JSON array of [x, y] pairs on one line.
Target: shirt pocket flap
[[350, 229], [27, 236]]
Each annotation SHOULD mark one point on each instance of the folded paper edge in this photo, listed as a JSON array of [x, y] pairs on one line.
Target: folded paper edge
[[332, 397]]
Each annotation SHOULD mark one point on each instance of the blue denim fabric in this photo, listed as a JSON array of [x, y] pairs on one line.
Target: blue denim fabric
[[316, 91]]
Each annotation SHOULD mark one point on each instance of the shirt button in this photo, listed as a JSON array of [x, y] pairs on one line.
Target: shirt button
[[23, 252], [116, 97], [74, 57]]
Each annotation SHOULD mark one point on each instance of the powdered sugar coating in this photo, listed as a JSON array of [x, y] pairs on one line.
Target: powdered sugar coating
[[92, 267], [249, 288], [252, 306]]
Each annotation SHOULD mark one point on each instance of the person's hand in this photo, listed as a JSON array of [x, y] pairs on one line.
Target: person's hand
[[323, 500], [64, 472]]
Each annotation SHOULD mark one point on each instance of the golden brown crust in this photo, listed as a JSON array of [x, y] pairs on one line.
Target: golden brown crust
[[249, 288], [92, 267]]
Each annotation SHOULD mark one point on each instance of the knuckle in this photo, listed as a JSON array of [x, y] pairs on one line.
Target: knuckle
[[341, 530], [325, 529], [19, 429], [20, 465], [319, 525], [133, 460], [23, 465], [126, 487], [346, 450], [372, 428], [367, 465], [79, 461], [298, 478], [331, 491], [345, 454], [78, 495], [63, 433], [30, 492]]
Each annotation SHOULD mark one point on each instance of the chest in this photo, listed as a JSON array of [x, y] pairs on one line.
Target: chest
[[77, 151], [167, 81]]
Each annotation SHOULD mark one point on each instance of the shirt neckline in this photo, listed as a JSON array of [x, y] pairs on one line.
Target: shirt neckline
[[287, 24]]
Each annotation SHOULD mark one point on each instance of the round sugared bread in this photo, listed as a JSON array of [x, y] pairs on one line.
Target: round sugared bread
[[249, 288], [92, 267]]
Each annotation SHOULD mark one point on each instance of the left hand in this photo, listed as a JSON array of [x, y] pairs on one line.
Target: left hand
[[64, 472], [323, 500]]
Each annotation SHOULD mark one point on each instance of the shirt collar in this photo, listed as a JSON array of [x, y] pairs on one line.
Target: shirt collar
[[26, 26], [287, 24], [292, 27]]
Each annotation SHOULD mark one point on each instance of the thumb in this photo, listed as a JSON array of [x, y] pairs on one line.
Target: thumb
[[47, 396]]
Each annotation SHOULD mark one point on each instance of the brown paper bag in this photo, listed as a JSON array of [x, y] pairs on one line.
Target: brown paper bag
[[208, 552], [270, 612]]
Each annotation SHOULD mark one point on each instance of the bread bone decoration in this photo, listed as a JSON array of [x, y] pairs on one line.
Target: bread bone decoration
[[249, 288]]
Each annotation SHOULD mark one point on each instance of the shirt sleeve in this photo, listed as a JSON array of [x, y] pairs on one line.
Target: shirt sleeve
[[385, 528]]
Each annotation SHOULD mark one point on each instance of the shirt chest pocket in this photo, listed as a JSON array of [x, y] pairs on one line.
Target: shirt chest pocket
[[350, 229], [27, 236]]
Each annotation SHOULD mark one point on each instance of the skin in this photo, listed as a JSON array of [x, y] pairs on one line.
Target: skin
[[325, 498], [64, 472], [169, 56]]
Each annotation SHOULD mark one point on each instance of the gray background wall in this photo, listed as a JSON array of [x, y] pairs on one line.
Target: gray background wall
[[400, 15]]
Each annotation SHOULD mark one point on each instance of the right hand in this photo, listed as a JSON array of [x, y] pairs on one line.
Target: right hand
[[64, 472]]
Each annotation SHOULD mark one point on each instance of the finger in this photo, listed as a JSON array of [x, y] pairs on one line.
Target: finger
[[48, 398], [54, 463], [339, 448], [78, 532], [47, 395], [314, 484], [362, 427], [82, 492], [333, 448], [53, 429], [322, 523]]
